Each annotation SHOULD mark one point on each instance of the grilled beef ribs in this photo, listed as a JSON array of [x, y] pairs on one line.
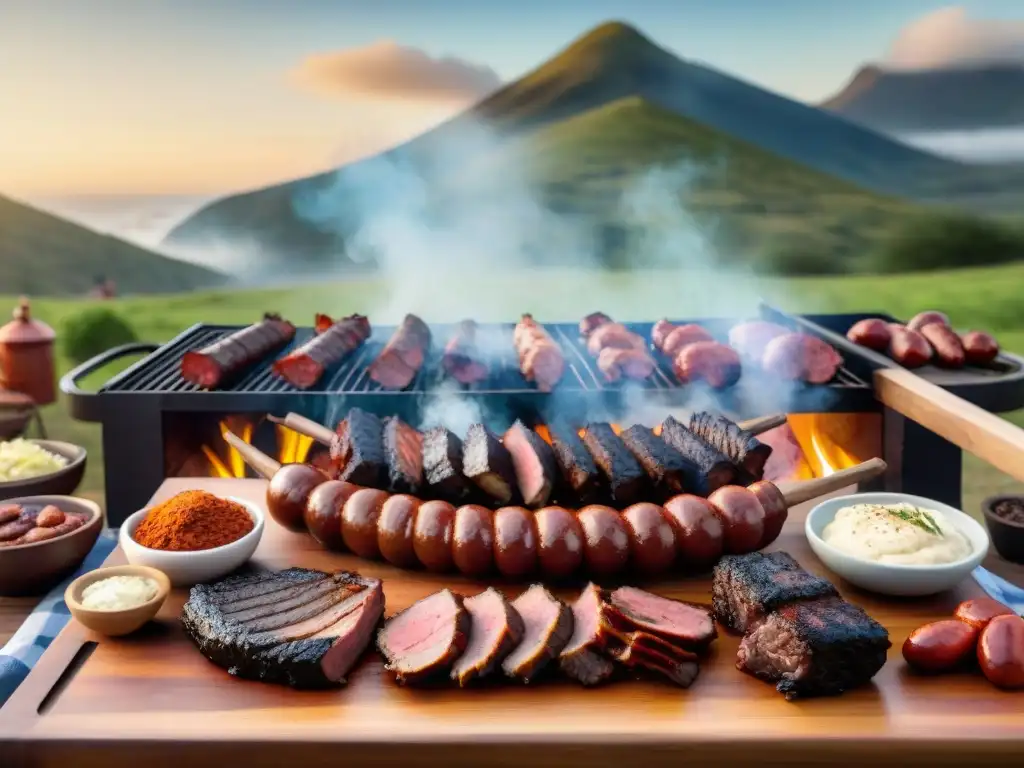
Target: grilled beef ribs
[[622, 472], [684, 625], [742, 448], [581, 658], [442, 466], [815, 648], [488, 464], [423, 641], [403, 451], [715, 467], [358, 449], [746, 588], [296, 627], [580, 475], [669, 471], [495, 630], [548, 627], [533, 462]]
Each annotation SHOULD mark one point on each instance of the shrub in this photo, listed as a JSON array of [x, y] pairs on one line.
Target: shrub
[[946, 241], [93, 331], [795, 260]]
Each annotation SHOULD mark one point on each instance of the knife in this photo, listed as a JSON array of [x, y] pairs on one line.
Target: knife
[[1000, 589]]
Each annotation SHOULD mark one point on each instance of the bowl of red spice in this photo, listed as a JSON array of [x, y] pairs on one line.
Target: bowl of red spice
[[1004, 516], [194, 536]]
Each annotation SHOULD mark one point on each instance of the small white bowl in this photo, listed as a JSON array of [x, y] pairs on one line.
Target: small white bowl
[[187, 568], [896, 579]]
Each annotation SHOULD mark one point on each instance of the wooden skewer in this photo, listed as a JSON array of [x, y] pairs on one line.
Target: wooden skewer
[[805, 490], [264, 465], [763, 423]]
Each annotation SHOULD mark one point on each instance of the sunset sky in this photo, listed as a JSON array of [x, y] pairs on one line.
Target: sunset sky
[[207, 96]]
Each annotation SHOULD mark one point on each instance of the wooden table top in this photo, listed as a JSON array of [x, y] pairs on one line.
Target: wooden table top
[[152, 699]]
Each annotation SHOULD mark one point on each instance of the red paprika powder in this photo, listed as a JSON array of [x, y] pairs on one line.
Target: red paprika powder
[[193, 520]]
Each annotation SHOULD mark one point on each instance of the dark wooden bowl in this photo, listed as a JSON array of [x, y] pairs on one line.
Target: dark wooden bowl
[[63, 482], [30, 569], [1007, 536]]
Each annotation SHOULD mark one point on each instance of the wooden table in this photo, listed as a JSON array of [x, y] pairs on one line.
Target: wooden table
[[152, 700]]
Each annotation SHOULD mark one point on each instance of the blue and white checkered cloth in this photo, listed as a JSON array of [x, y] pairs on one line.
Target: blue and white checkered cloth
[[44, 623]]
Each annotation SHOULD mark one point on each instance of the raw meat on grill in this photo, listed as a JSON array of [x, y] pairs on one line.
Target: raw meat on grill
[[716, 364], [580, 476], [636, 364], [716, 470], [534, 463], [592, 322], [746, 588], [582, 658], [622, 472], [462, 359], [442, 466], [815, 648], [220, 362], [297, 627], [358, 449], [671, 339], [751, 338], [540, 358], [403, 452], [668, 470], [495, 630], [548, 627], [423, 641], [305, 366], [488, 464], [801, 357], [684, 625], [742, 448], [403, 356]]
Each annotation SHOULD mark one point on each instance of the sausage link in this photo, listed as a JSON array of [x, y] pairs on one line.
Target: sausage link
[[559, 542], [605, 540], [980, 611], [433, 531], [700, 535], [949, 350], [652, 540], [359, 521], [872, 333], [395, 528], [742, 517], [9, 513], [909, 348], [775, 510], [323, 513], [515, 542], [1001, 652], [473, 540], [923, 319], [940, 646], [979, 348]]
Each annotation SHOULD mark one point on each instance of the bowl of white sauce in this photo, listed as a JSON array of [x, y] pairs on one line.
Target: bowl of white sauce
[[895, 543], [117, 600]]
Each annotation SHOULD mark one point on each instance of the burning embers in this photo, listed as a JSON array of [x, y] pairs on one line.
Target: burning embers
[[210, 455]]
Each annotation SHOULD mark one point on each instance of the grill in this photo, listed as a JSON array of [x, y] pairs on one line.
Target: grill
[[148, 410]]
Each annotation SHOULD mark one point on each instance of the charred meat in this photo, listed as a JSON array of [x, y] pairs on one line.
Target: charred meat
[[296, 627], [714, 467], [533, 462], [745, 450], [582, 658], [229, 357], [548, 627], [622, 472], [442, 466], [423, 641], [488, 464], [495, 630], [462, 359], [684, 625], [403, 356], [358, 449], [580, 475], [403, 452], [669, 471]]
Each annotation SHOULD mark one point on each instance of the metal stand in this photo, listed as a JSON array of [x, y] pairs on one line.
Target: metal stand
[[133, 460]]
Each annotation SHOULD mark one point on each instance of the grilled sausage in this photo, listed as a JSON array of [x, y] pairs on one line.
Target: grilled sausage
[[872, 333], [323, 512], [559, 542], [921, 319], [288, 492], [9, 512], [652, 541], [306, 365], [775, 510], [940, 646], [908, 348], [801, 357], [1001, 652], [359, 521], [716, 364], [613, 336], [682, 336], [742, 518], [699, 532], [980, 611], [49, 517], [473, 540], [218, 363], [433, 531], [395, 530], [979, 348], [606, 539], [949, 350], [515, 542]]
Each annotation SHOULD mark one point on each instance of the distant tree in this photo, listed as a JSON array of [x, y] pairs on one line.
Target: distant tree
[[948, 240], [92, 331]]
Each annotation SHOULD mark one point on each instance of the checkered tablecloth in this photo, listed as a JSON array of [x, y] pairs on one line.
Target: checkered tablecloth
[[44, 623]]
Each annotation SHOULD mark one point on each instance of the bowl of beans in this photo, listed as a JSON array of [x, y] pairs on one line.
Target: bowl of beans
[[43, 539]]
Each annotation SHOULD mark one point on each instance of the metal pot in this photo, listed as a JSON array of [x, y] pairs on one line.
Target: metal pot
[[26, 356]]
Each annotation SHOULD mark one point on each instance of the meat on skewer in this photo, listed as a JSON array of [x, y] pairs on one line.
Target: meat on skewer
[[305, 366], [403, 356], [462, 360], [540, 359], [729, 438], [218, 363]]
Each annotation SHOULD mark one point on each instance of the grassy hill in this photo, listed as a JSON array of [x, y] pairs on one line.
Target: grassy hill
[[42, 254]]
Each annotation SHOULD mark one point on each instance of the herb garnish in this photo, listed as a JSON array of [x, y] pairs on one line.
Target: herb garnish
[[918, 517]]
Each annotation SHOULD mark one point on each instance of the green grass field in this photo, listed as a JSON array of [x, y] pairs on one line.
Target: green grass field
[[980, 298]]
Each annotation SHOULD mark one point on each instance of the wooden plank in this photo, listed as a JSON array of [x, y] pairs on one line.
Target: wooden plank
[[152, 700]]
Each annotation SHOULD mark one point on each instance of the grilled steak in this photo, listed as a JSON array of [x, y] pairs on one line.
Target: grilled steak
[[686, 626], [622, 472], [669, 471], [495, 630], [402, 357], [581, 659], [403, 452], [488, 464], [424, 640], [533, 462], [742, 448], [297, 627], [746, 588], [815, 648], [639, 650], [358, 449], [715, 467], [580, 475], [442, 466], [548, 627]]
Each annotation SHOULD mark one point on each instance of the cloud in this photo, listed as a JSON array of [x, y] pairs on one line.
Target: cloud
[[948, 38], [387, 70]]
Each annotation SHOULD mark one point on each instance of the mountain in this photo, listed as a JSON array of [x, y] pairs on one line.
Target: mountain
[[933, 100], [42, 254]]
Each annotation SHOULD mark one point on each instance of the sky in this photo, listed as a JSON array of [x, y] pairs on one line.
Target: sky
[[202, 97]]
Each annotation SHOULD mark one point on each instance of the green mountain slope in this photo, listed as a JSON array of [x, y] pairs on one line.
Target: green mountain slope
[[42, 254]]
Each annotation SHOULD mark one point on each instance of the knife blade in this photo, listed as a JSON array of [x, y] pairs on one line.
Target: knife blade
[[1000, 589]]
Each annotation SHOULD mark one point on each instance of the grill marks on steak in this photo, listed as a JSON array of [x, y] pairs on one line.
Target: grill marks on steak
[[548, 626], [684, 625], [668, 470], [287, 627], [496, 628], [403, 452], [488, 464], [358, 449], [423, 641], [622, 472], [742, 448], [533, 462], [746, 588], [714, 467], [582, 658]]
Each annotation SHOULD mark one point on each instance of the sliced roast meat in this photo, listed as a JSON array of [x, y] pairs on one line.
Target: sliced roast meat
[[548, 627], [403, 453], [358, 449], [442, 466], [423, 641], [495, 630], [580, 476], [684, 625], [622, 472], [715, 467], [488, 464], [533, 462], [636, 654], [582, 658], [403, 356]]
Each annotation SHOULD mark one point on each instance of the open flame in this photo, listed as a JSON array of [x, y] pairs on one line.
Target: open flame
[[834, 441], [292, 448]]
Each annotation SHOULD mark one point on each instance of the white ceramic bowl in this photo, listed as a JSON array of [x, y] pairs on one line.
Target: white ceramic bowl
[[187, 568], [892, 579]]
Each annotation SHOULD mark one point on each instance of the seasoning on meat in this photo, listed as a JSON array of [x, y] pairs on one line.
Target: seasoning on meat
[[684, 625], [488, 464], [306, 365], [580, 476], [745, 450], [358, 448], [193, 520], [442, 465], [423, 641], [548, 627], [462, 358], [403, 356], [220, 362], [622, 472], [669, 471], [582, 658], [533, 462], [714, 466], [495, 630], [403, 453]]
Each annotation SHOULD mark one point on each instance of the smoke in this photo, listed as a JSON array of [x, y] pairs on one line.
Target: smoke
[[949, 38], [992, 145]]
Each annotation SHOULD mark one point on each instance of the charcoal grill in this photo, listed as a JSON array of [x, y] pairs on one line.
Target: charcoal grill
[[149, 407]]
